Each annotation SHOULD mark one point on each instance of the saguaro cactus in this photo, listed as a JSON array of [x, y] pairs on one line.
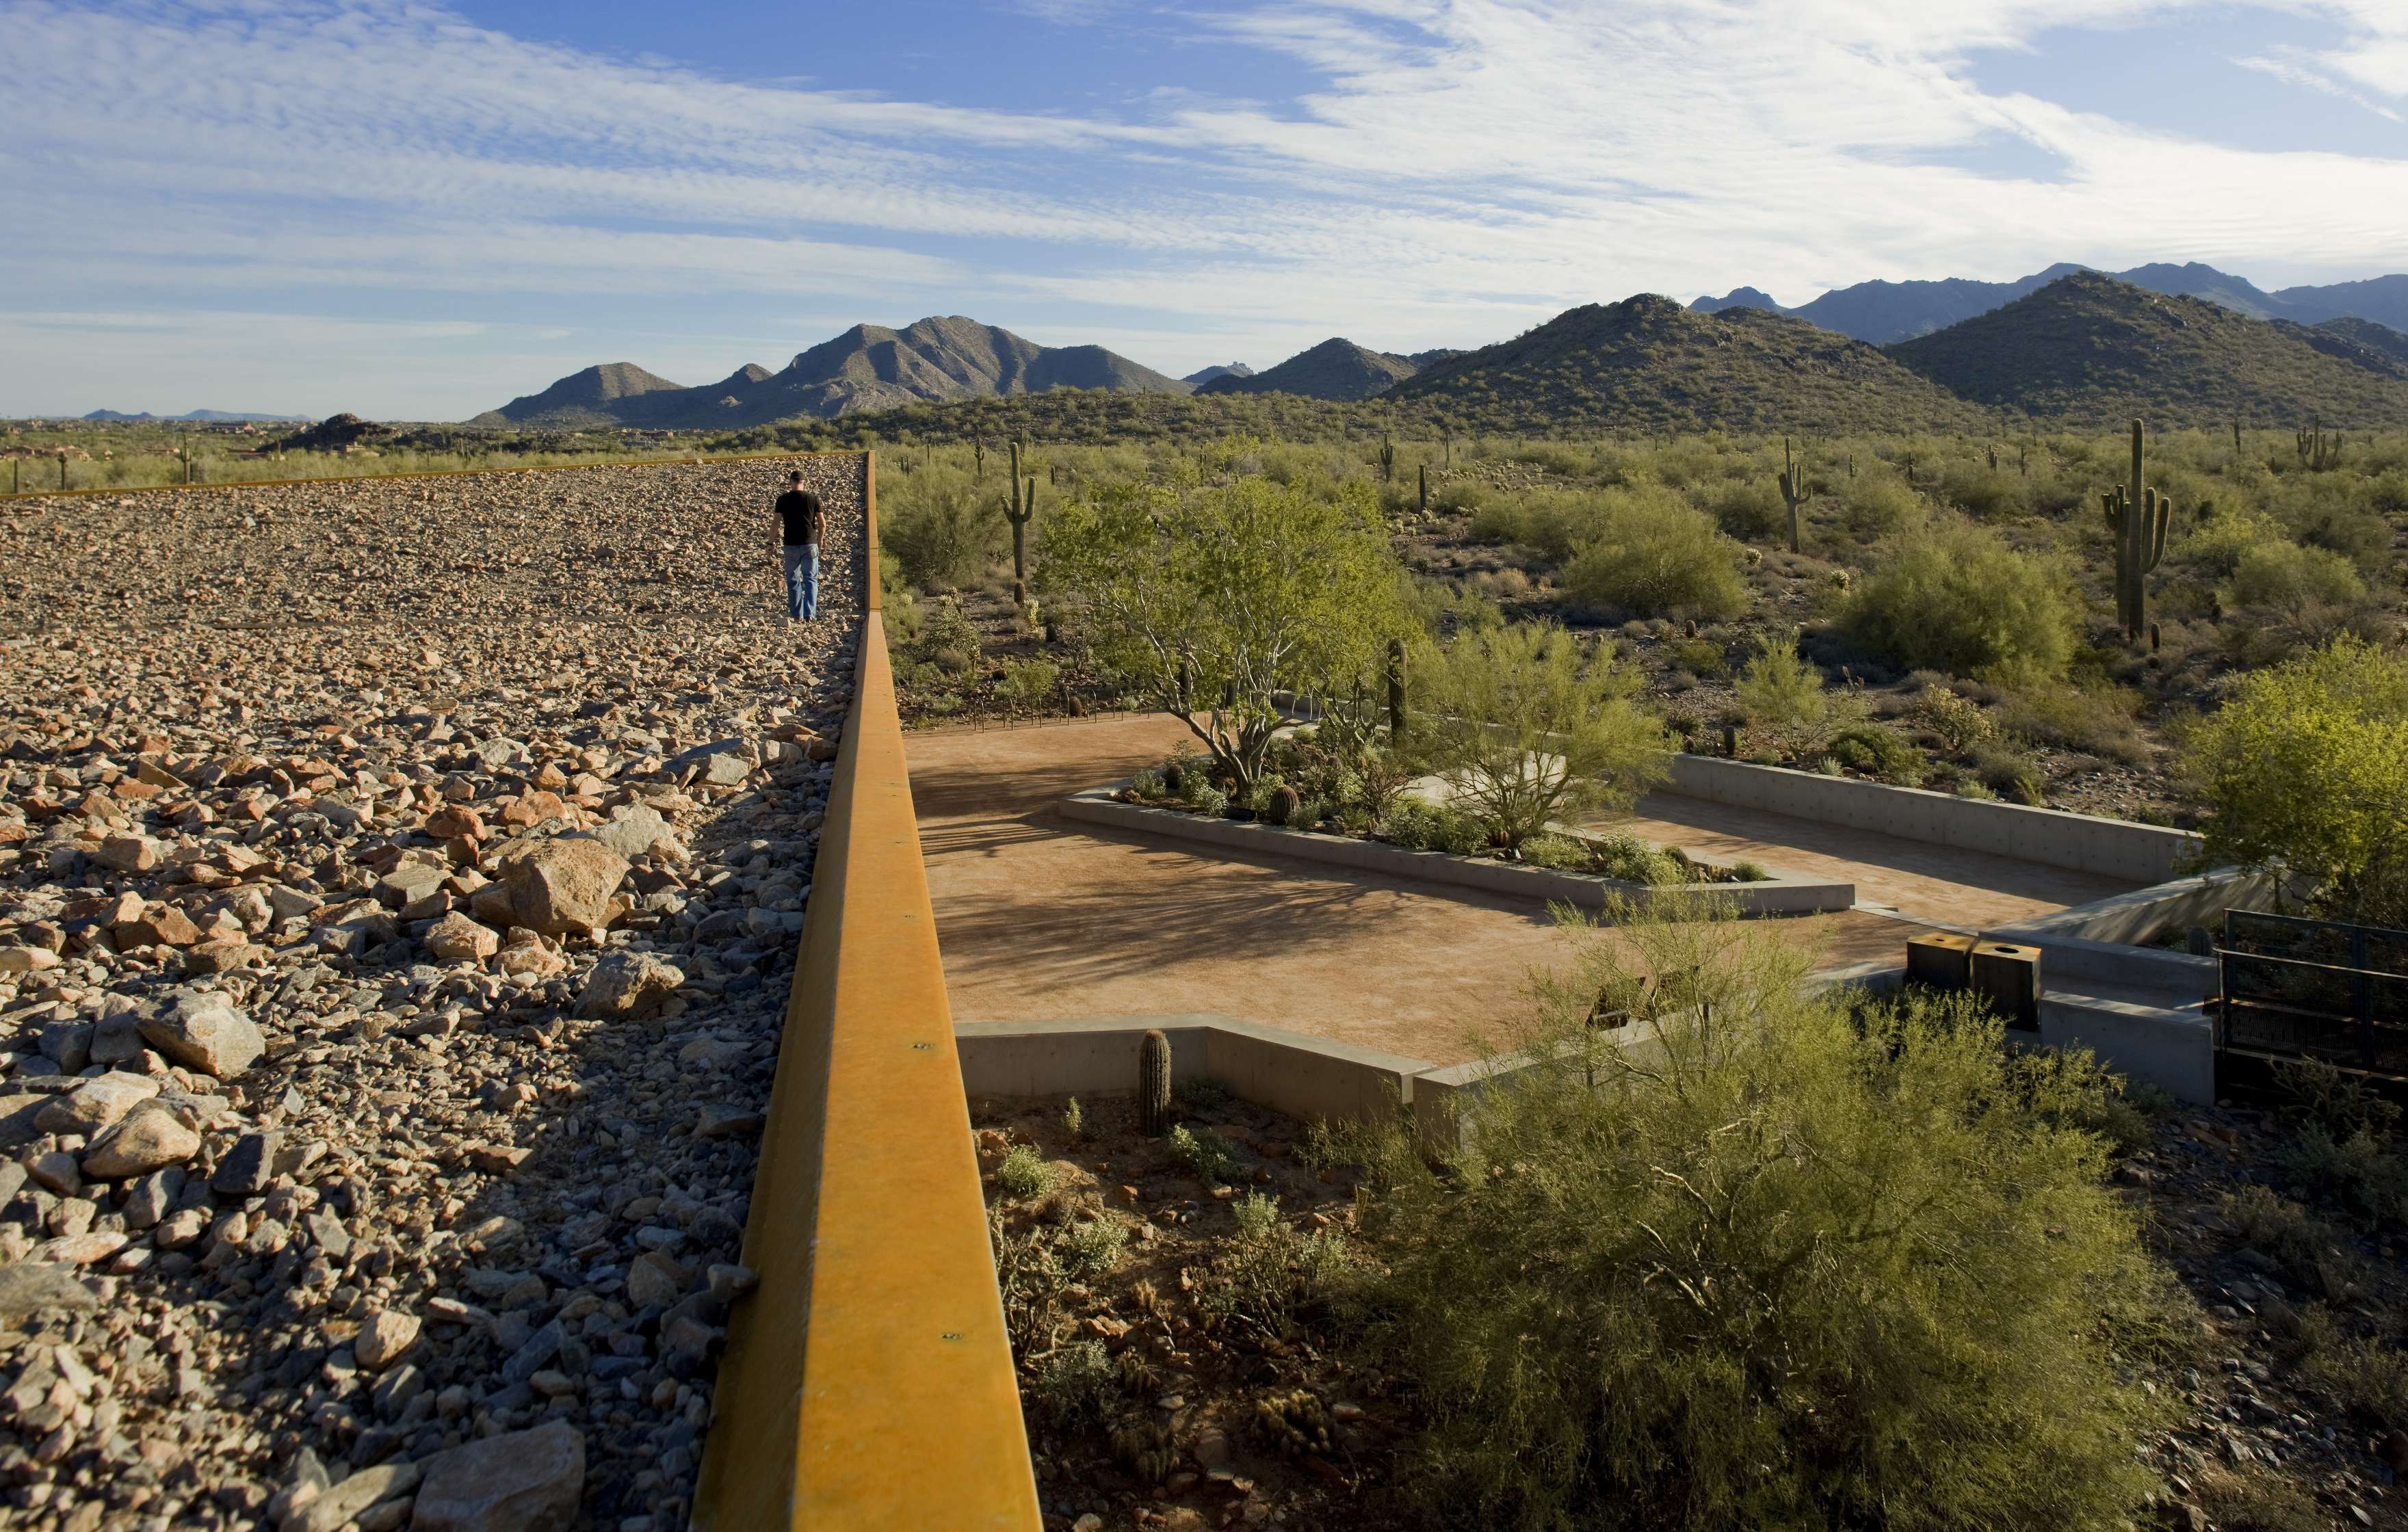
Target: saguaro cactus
[[1421, 505], [1396, 689], [1793, 490], [1153, 1085], [2136, 519], [1387, 459], [1019, 509]]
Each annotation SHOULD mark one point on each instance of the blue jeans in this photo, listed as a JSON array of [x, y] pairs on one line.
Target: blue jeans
[[802, 580]]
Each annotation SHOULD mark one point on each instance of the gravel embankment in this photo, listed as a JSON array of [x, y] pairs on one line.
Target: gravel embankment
[[398, 886]]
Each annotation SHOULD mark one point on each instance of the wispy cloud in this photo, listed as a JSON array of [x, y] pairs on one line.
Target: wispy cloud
[[1455, 170]]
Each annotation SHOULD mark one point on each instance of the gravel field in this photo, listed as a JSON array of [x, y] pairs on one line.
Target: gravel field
[[398, 887]]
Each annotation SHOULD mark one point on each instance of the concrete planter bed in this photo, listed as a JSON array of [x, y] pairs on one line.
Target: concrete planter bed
[[1775, 896], [2145, 853]]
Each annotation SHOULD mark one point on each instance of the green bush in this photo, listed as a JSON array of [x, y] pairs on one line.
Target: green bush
[[2097, 719], [1879, 752], [1875, 509], [1958, 721], [2292, 579], [1631, 859], [1206, 1153], [940, 530], [1092, 1248], [1796, 1268], [1422, 826], [1700, 656], [1657, 556], [1955, 596], [1555, 853], [1025, 1173], [1751, 510], [2010, 774], [948, 639], [1027, 684]]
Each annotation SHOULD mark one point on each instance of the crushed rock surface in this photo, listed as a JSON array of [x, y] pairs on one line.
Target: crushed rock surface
[[399, 881]]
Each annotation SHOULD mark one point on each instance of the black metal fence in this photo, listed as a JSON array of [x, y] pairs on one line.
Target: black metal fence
[[2296, 988]]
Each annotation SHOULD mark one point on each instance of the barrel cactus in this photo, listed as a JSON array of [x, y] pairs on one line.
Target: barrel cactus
[[1153, 1085], [1287, 804]]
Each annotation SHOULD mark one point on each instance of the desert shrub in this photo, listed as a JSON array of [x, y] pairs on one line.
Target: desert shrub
[[1780, 690], [1700, 656], [1959, 722], [2215, 546], [1634, 860], [940, 531], [1423, 826], [2096, 719], [1555, 853], [1983, 492], [1205, 1152], [1955, 596], [1745, 871], [1875, 509], [2303, 1246], [1656, 555], [948, 639], [1027, 684], [1077, 1384], [1524, 723], [1751, 510], [2291, 579], [2368, 1376], [1148, 784], [2010, 773], [2306, 764], [1092, 1247], [1269, 1273], [1025, 1173], [1793, 1268], [1877, 752]]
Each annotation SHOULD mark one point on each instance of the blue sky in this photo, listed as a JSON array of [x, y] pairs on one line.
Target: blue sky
[[419, 210]]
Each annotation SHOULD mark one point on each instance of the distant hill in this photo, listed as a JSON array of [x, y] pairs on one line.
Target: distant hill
[[584, 398], [1648, 363], [2365, 332], [1882, 312], [2090, 348], [1229, 369], [868, 368], [1335, 369], [197, 416]]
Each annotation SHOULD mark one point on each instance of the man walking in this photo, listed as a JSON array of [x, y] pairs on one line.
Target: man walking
[[806, 525]]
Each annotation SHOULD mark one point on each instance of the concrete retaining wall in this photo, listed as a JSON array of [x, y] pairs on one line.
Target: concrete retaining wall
[[2173, 1047], [2147, 913], [1309, 1079], [2145, 853], [1775, 897]]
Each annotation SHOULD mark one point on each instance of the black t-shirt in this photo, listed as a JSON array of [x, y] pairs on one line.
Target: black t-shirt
[[805, 521]]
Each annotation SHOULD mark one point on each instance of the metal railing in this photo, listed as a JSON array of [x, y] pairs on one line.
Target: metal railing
[[2296, 988], [868, 1382]]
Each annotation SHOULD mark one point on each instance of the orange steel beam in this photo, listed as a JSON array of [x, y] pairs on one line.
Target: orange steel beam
[[868, 1382]]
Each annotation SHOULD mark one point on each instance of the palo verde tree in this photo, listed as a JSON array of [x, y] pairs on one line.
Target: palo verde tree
[[1210, 600], [1793, 1262], [2306, 766], [1524, 726]]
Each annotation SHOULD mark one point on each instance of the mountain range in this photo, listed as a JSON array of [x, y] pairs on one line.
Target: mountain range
[[1882, 312], [868, 368], [210, 416], [2069, 344]]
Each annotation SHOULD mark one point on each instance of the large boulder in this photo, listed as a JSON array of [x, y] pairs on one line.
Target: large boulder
[[206, 1033], [628, 984], [151, 1137], [519, 1482], [561, 886], [637, 830]]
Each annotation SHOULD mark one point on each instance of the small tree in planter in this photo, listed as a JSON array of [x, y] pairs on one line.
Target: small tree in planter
[[1209, 600], [1524, 727]]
